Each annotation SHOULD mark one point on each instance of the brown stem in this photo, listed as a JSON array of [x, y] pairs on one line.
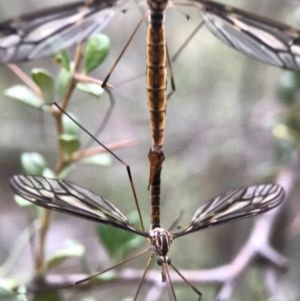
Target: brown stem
[[42, 235], [87, 79], [58, 116], [99, 149], [26, 79]]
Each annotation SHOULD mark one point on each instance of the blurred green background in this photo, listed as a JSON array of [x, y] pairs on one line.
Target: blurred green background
[[218, 137]]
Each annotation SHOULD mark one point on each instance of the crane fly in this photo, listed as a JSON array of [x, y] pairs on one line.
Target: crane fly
[[69, 198], [48, 31]]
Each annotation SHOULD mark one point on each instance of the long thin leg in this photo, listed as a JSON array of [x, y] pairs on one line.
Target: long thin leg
[[87, 278], [170, 287], [182, 47], [187, 282], [105, 119], [113, 267], [124, 49], [171, 74], [113, 154], [143, 277]]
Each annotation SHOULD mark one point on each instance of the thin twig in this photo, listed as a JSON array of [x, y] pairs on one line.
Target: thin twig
[[100, 150], [26, 79]]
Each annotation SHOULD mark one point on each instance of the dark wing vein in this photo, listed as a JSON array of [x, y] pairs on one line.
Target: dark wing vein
[[233, 205], [46, 32], [266, 40], [72, 199]]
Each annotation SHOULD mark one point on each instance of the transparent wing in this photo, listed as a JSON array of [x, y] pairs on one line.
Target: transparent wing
[[72, 199], [233, 205], [46, 32], [271, 42]]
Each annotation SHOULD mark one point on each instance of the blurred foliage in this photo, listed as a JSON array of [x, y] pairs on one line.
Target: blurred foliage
[[230, 123], [34, 163], [123, 243]]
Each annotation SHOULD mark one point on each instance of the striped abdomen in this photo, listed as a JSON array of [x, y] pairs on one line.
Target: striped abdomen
[[156, 83]]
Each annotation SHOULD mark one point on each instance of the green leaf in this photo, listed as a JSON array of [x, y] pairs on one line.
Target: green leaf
[[132, 244], [70, 143], [44, 80], [48, 295], [112, 238], [282, 131], [63, 81], [24, 95], [22, 202], [63, 59], [119, 243], [69, 126], [48, 173], [66, 171], [33, 163], [70, 249], [7, 292], [96, 50], [287, 89], [101, 159], [70, 138], [91, 89]]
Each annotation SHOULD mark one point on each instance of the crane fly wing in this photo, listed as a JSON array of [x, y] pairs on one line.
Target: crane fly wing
[[266, 40], [46, 32], [72, 199], [233, 205]]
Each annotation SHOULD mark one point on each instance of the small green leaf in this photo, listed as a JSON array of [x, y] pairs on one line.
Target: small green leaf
[[71, 249], [112, 239], [8, 293], [48, 295], [97, 49], [70, 143], [91, 89], [24, 95], [63, 81], [101, 159], [287, 89], [33, 163], [44, 80], [70, 138], [117, 242], [22, 202], [48, 173], [284, 132], [132, 244], [66, 171], [69, 126], [63, 59]]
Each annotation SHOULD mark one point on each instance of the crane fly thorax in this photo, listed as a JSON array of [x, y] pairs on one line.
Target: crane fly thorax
[[161, 240]]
